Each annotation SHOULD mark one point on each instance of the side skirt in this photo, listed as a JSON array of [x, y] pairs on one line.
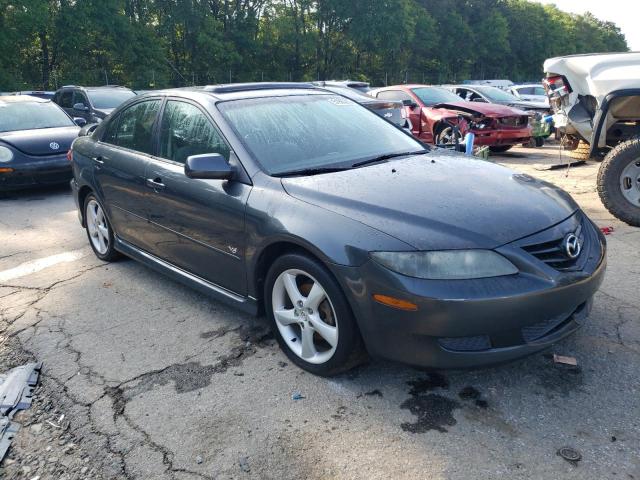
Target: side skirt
[[246, 304]]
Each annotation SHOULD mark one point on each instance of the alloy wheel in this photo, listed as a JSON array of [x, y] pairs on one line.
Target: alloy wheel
[[305, 316], [97, 227]]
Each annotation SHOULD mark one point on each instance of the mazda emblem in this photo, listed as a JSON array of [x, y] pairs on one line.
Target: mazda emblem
[[54, 145], [572, 246]]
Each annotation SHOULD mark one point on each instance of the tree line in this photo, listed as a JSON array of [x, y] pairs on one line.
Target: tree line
[[161, 43]]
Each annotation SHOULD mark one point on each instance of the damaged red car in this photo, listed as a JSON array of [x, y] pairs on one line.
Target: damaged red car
[[439, 117]]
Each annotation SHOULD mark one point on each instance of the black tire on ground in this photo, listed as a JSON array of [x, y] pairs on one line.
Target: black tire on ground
[[500, 148], [111, 253], [350, 350], [581, 152], [610, 181], [539, 141]]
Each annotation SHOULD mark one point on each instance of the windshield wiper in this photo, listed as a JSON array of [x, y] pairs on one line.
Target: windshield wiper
[[311, 171], [387, 156]]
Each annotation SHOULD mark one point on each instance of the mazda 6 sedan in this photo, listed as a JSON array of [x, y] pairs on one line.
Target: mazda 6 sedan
[[348, 233]]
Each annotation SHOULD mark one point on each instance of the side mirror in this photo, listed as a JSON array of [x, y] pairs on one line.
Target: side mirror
[[80, 107], [208, 166], [409, 103], [81, 122], [87, 129]]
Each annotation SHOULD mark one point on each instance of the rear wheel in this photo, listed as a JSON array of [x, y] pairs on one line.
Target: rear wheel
[[99, 230], [311, 317], [619, 182], [500, 148]]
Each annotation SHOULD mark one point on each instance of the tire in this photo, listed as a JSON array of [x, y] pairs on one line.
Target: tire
[[99, 230], [619, 182], [324, 309], [538, 141], [581, 152], [500, 148], [447, 136]]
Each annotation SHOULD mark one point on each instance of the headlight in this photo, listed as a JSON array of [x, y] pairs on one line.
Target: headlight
[[447, 264], [5, 154]]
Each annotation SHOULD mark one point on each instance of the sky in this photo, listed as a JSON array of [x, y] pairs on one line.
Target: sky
[[624, 13]]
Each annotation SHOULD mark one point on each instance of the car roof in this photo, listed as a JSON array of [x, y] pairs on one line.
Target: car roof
[[236, 91], [22, 99], [98, 87]]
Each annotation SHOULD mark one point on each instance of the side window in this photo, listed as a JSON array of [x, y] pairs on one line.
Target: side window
[[135, 128], [66, 99], [79, 97], [109, 135], [186, 131]]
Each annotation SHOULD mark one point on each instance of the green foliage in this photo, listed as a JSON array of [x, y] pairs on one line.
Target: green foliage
[[158, 43]]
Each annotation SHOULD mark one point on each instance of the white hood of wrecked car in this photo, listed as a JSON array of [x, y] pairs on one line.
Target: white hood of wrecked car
[[597, 74]]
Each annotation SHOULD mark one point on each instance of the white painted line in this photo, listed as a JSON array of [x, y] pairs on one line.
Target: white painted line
[[33, 266]]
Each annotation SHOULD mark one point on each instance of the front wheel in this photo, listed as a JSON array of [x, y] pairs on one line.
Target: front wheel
[[619, 182], [448, 135], [311, 317], [99, 230]]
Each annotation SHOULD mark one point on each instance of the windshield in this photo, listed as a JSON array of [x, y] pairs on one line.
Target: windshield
[[108, 99], [433, 95], [31, 115], [292, 133], [496, 95]]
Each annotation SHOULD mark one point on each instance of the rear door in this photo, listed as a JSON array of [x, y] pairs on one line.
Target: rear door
[[198, 225], [120, 160]]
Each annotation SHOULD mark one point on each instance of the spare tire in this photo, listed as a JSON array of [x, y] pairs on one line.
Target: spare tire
[[619, 181]]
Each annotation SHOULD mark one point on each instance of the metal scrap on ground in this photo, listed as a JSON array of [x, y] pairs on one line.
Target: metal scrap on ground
[[16, 390]]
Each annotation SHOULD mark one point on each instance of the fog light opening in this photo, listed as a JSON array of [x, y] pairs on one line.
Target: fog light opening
[[395, 303]]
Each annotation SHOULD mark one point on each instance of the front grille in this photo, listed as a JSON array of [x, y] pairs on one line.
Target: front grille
[[466, 344], [538, 330], [554, 254], [515, 122]]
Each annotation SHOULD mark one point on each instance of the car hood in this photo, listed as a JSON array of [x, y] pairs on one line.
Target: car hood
[[486, 109], [41, 141], [439, 200]]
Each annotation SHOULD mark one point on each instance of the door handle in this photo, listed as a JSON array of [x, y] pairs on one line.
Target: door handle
[[98, 159], [156, 183]]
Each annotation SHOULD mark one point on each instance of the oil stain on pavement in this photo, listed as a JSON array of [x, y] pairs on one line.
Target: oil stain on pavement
[[433, 411]]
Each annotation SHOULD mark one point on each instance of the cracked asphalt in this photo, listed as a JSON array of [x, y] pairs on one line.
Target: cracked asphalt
[[144, 378]]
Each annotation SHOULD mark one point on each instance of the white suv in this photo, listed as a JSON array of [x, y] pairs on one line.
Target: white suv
[[596, 100]]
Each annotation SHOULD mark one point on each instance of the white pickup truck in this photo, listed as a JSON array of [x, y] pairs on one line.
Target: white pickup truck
[[596, 104]]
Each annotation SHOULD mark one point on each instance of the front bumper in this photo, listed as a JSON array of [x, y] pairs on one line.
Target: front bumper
[[37, 172], [474, 323], [502, 137]]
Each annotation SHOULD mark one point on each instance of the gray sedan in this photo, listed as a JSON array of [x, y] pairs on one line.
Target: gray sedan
[[350, 235]]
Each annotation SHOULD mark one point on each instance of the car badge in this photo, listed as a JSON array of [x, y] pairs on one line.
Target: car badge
[[572, 246], [54, 145], [388, 115]]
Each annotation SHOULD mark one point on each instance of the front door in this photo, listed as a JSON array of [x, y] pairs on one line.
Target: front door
[[120, 160], [198, 225]]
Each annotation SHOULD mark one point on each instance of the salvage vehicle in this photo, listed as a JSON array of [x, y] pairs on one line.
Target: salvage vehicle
[[390, 110], [530, 92], [490, 94], [596, 100], [436, 112], [35, 136], [91, 103], [287, 199]]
